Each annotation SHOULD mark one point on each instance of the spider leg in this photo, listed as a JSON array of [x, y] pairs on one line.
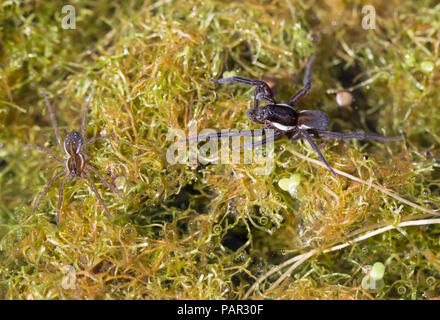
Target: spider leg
[[307, 82], [355, 135], [48, 186], [262, 142], [315, 147], [261, 92], [44, 150], [218, 135], [60, 201], [92, 184], [53, 120], [84, 113], [108, 184]]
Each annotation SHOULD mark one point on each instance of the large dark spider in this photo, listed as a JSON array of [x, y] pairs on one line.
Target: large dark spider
[[285, 120], [74, 151]]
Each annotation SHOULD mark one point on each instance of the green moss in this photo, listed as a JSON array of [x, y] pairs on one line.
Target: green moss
[[209, 231]]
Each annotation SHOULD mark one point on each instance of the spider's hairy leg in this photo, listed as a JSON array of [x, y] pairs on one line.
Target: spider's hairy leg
[[49, 184], [84, 113], [108, 184], [44, 150], [53, 120], [315, 147], [92, 184], [236, 79], [219, 135], [356, 135], [60, 201], [261, 92], [255, 144], [307, 82]]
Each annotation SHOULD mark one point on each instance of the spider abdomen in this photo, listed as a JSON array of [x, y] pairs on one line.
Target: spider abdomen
[[73, 143], [75, 165], [313, 119]]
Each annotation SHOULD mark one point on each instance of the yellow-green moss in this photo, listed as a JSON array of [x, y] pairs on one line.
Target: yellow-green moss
[[208, 232]]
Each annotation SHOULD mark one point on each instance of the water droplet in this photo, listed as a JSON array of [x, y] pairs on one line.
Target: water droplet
[[344, 98], [120, 182], [401, 290], [290, 184], [410, 60], [263, 221], [378, 271], [217, 229], [430, 281], [427, 66]]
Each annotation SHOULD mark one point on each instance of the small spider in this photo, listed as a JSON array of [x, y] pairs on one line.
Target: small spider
[[75, 153], [285, 120]]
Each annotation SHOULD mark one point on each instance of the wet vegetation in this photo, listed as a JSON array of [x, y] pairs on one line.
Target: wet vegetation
[[211, 231]]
